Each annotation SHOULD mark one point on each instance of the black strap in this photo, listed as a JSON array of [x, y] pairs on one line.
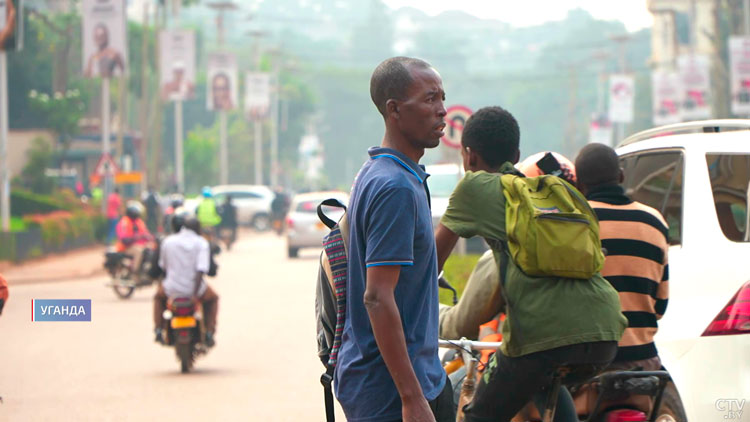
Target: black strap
[[331, 202], [327, 379]]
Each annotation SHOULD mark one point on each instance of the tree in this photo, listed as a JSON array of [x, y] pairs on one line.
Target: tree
[[41, 156]]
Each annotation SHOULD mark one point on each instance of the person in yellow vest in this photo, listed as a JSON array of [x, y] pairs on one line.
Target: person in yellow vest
[[133, 237], [207, 214]]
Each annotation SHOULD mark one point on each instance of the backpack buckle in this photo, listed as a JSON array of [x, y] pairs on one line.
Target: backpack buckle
[[326, 379]]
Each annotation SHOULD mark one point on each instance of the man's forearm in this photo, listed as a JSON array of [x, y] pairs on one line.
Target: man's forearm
[[389, 335]]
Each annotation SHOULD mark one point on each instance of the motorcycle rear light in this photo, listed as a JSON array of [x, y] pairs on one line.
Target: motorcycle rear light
[[735, 317], [183, 333], [289, 223], [626, 415]]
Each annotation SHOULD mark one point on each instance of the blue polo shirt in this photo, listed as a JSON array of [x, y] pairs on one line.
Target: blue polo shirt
[[390, 224]]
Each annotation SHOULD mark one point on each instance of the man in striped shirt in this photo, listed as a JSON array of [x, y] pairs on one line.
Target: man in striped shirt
[[635, 238]]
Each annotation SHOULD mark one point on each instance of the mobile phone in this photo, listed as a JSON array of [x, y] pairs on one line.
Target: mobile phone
[[549, 165]]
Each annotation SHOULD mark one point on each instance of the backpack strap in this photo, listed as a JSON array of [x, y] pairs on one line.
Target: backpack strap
[[327, 379], [331, 202]]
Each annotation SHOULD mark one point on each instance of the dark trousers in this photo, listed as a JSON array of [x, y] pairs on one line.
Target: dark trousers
[[509, 383], [442, 406]]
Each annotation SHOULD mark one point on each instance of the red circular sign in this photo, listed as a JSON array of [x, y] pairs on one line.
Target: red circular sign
[[455, 120]]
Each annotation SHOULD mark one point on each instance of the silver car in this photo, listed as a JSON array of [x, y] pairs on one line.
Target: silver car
[[303, 227], [253, 203]]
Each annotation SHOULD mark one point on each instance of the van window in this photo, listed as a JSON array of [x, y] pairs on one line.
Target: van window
[[656, 179], [730, 176]]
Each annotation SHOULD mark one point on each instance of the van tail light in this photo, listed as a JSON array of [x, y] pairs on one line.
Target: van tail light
[[735, 317], [626, 415], [289, 223]]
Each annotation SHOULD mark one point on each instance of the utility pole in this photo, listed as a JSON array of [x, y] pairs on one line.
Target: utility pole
[[220, 7], [746, 9], [571, 128], [258, 123], [275, 119], [621, 41], [145, 141], [4, 170]]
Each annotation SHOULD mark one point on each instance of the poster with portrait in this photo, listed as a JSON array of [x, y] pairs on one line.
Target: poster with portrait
[[621, 98], [695, 76], [666, 97], [11, 25], [257, 95], [177, 64], [739, 65], [105, 49], [221, 82]]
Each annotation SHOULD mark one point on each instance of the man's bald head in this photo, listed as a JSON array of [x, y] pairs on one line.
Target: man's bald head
[[597, 164]]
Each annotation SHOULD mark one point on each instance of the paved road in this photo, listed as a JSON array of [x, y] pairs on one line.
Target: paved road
[[264, 367]]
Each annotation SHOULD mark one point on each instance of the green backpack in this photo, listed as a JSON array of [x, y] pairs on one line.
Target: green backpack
[[552, 230]]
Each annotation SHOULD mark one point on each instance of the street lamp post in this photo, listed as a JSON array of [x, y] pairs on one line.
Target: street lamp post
[[221, 7]]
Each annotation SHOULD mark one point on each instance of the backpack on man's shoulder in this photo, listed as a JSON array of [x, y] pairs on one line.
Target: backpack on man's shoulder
[[330, 296], [552, 230]]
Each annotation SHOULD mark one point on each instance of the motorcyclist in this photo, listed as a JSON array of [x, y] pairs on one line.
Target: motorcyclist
[[185, 258], [229, 220], [550, 324], [207, 213], [175, 202], [133, 237], [279, 209]]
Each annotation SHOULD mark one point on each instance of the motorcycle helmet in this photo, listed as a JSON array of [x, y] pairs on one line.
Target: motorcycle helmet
[[178, 219], [134, 209], [206, 191], [176, 201], [530, 166]]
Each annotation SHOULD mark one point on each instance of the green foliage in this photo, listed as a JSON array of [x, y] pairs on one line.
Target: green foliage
[[61, 110], [23, 202], [17, 224], [200, 155], [40, 157], [457, 270]]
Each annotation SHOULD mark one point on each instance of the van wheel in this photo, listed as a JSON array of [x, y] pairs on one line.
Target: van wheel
[[293, 252]]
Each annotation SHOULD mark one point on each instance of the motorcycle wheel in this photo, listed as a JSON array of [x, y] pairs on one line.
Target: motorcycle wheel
[[185, 354], [122, 291], [671, 409]]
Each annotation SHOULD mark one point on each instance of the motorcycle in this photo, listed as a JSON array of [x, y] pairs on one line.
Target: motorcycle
[[613, 396], [119, 265], [183, 325]]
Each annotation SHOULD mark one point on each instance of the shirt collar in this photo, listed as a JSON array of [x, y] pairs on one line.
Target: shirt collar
[[508, 168], [416, 169], [609, 194]]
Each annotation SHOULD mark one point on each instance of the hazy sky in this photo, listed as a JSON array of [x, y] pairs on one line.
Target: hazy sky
[[524, 13]]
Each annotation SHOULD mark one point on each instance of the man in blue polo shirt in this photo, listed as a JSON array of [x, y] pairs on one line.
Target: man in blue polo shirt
[[388, 367]]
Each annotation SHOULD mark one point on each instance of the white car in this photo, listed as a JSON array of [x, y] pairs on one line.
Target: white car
[[253, 203], [303, 226], [697, 174]]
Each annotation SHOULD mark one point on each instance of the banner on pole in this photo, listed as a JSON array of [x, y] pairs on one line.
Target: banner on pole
[[621, 98], [695, 77], [11, 25], [104, 39], [177, 64], [667, 97], [221, 82], [739, 63], [257, 95]]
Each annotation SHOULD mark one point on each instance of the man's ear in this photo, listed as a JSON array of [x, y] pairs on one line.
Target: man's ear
[[391, 107], [517, 157]]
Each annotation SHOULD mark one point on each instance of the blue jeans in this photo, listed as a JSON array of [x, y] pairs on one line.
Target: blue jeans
[[112, 230]]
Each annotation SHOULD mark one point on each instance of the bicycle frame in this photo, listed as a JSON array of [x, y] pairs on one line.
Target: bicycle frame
[[466, 347]]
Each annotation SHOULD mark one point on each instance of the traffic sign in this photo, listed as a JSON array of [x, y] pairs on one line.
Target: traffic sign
[[132, 177], [455, 120], [106, 166]]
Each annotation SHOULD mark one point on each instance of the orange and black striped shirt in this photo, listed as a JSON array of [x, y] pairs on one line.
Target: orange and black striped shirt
[[635, 237]]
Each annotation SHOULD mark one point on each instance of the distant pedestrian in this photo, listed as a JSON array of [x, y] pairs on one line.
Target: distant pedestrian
[[114, 204], [3, 293], [153, 210]]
